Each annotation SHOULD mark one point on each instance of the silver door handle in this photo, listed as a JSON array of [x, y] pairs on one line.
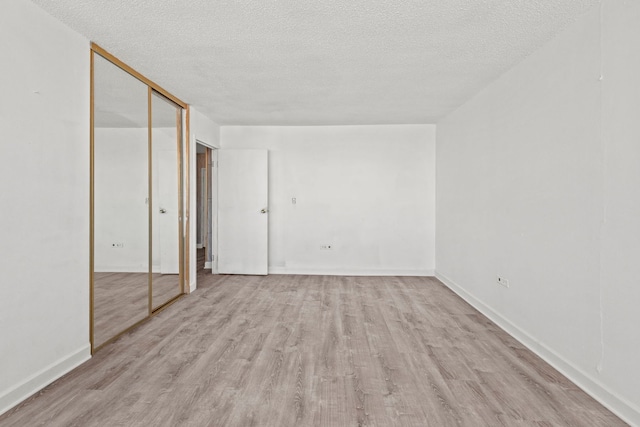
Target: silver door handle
[[263, 211], [163, 210]]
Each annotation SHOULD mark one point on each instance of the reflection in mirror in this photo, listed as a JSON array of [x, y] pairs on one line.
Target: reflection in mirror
[[166, 142], [121, 210]]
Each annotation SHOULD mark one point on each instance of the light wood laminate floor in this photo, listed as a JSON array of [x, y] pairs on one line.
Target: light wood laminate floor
[[314, 351], [122, 300]]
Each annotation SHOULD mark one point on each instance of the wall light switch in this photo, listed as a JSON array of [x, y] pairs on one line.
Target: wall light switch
[[293, 200]]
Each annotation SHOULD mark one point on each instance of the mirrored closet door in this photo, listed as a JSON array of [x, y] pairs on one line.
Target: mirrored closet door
[[137, 199], [166, 132]]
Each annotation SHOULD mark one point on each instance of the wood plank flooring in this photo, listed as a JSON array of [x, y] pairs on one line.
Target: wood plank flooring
[[122, 299], [314, 351]]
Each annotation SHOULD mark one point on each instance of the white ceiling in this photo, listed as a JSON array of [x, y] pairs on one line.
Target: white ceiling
[[311, 62], [121, 100]]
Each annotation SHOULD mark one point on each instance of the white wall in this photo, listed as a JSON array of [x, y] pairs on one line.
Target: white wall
[[207, 132], [620, 248], [369, 191], [44, 188], [538, 181], [121, 190]]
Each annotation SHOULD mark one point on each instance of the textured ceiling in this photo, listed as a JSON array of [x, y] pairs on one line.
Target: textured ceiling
[[308, 62], [121, 100]]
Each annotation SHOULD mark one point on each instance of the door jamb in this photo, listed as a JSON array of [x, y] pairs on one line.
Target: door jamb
[[214, 212]]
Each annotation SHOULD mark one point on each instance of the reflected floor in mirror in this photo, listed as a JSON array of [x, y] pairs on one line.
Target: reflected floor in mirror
[[165, 288], [314, 351], [122, 299]]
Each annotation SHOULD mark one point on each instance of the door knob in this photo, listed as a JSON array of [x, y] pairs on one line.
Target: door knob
[[265, 210], [162, 210]]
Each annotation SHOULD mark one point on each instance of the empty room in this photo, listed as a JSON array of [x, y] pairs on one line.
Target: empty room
[[332, 213]]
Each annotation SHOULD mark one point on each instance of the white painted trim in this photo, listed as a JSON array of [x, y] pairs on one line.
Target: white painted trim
[[126, 269], [616, 404], [195, 140], [193, 286], [348, 272], [207, 265], [41, 379], [121, 269], [206, 144]]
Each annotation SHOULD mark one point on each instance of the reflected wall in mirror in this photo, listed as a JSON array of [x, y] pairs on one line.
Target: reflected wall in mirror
[[166, 137], [137, 228], [121, 192]]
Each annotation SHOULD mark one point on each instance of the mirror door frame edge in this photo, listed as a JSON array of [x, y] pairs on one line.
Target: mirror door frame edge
[[183, 152]]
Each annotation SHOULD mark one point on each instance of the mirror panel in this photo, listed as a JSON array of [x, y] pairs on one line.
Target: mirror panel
[[121, 210], [166, 137]]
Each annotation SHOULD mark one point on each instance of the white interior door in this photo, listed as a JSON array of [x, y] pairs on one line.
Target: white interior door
[[168, 227], [243, 211]]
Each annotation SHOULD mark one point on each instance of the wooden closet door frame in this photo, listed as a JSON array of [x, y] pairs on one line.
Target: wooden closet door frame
[[184, 193]]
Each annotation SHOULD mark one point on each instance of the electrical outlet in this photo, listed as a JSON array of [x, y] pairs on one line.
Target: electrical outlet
[[117, 245], [326, 247], [502, 281]]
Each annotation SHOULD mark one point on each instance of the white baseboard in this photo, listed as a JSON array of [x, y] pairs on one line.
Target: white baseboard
[[199, 246], [120, 269], [193, 286], [348, 272], [207, 265], [616, 404], [35, 383], [125, 269]]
